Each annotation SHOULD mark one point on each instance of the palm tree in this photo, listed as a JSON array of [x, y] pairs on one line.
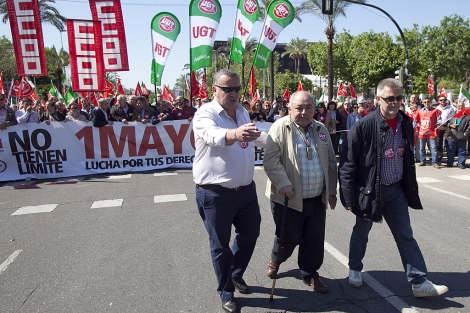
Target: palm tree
[[296, 49], [339, 9], [56, 62], [48, 13]]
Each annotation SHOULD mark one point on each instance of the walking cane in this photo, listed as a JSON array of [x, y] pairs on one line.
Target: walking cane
[[283, 225]]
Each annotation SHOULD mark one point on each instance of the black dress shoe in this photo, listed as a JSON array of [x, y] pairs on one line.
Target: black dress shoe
[[229, 306], [240, 285]]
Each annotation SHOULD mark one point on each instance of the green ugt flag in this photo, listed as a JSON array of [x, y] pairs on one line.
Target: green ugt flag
[[247, 15], [204, 18], [165, 29], [280, 14]]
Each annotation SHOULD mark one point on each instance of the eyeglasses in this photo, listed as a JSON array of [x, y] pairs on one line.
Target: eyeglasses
[[392, 99], [355, 107], [441, 100], [229, 89]]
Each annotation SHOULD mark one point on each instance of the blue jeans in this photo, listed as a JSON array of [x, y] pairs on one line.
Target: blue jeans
[[456, 146], [395, 212], [219, 209], [433, 146]]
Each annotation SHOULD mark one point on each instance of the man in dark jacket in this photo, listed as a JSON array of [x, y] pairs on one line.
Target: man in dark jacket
[[378, 179], [122, 112], [102, 116], [7, 115]]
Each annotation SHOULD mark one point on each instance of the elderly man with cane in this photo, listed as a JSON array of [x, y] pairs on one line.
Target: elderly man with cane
[[301, 166]]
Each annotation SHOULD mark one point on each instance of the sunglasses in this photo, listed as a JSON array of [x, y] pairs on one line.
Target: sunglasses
[[392, 99], [355, 107], [229, 89]]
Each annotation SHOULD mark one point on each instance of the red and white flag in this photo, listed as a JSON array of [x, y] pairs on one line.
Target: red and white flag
[[286, 95], [430, 86], [14, 89], [342, 92], [28, 42], [86, 55], [167, 94], [203, 93], [144, 90], [109, 89], [113, 35], [352, 91], [120, 90], [26, 90], [138, 90], [2, 84], [253, 83], [194, 85], [300, 87], [255, 98], [442, 92]]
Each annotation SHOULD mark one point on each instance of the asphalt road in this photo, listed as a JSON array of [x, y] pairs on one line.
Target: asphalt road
[[142, 256]]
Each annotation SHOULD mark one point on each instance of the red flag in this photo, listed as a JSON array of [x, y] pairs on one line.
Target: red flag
[[28, 42], [255, 98], [138, 90], [2, 85], [203, 93], [144, 90], [342, 92], [14, 89], [300, 87], [253, 83], [120, 90], [460, 113], [86, 56], [26, 89], [430, 86], [442, 92], [167, 94], [113, 33], [194, 85], [352, 91], [109, 89], [286, 95]]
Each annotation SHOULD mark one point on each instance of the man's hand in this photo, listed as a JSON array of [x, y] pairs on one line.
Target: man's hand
[[349, 208], [332, 201], [47, 122], [124, 121], [145, 121], [247, 133], [3, 126], [287, 191], [110, 122]]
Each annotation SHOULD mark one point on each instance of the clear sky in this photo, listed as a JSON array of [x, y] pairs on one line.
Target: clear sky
[[138, 14]]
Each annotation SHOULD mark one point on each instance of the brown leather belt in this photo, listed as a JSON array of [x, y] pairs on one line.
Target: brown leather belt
[[218, 187]]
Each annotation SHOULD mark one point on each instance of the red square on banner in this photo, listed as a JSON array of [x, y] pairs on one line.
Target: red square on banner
[[85, 29], [109, 26], [32, 66], [112, 61], [86, 65], [110, 45], [88, 81], [29, 47]]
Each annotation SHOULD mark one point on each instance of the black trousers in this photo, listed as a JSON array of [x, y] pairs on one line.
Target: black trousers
[[441, 140], [305, 229]]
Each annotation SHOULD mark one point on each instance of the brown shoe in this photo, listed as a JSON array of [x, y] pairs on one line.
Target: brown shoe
[[435, 165], [271, 269], [422, 164], [318, 285]]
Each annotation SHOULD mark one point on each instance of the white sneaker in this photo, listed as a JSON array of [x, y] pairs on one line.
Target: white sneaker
[[355, 279], [428, 289]]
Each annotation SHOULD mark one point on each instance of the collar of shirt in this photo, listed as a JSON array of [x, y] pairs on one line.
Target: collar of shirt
[[219, 109]]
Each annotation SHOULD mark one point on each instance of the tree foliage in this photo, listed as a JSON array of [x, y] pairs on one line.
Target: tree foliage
[[291, 81], [7, 58], [296, 49]]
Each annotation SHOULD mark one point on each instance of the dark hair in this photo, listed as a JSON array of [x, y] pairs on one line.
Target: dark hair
[[226, 72], [141, 98], [332, 103], [322, 105]]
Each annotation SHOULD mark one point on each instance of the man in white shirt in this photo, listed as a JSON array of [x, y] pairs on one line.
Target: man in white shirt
[[225, 191], [27, 115], [447, 111]]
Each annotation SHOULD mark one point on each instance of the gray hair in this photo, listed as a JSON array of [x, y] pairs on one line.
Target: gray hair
[[120, 97], [391, 83], [292, 97], [101, 101], [226, 72]]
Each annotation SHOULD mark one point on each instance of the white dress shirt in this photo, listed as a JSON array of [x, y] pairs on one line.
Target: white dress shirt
[[26, 117], [214, 162]]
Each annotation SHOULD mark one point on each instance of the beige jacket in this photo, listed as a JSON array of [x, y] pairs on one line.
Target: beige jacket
[[280, 162]]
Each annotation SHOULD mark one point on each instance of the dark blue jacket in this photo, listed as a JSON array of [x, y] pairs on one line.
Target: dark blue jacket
[[361, 164]]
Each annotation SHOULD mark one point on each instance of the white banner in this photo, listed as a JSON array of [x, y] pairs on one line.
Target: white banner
[[40, 151]]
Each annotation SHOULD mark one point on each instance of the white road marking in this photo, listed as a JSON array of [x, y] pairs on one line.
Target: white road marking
[[68, 180], [165, 174], [45, 208], [11, 258], [448, 192], [170, 198], [461, 177], [426, 180], [394, 300], [107, 203], [259, 168], [120, 176]]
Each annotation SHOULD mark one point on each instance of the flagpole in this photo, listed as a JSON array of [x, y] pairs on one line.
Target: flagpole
[[246, 85]]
